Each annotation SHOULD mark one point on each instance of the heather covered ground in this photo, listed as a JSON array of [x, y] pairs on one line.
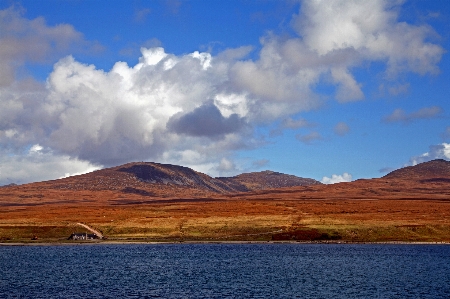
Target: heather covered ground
[[410, 205]]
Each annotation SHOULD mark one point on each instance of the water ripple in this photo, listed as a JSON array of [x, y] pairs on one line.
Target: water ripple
[[225, 271]]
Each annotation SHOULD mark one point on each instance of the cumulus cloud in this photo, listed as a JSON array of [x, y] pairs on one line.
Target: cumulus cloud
[[399, 115], [341, 129], [157, 106], [194, 109], [337, 178], [369, 30]]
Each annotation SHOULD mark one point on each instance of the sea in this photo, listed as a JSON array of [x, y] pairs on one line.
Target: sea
[[225, 271]]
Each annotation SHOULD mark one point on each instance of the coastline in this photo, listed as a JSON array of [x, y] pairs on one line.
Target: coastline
[[216, 242]]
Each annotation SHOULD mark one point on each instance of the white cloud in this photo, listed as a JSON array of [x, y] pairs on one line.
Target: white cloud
[[371, 31], [161, 104], [23, 40], [337, 178], [39, 164], [192, 109], [36, 148], [348, 88]]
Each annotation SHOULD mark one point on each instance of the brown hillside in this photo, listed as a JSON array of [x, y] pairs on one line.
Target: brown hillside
[[146, 181], [429, 180], [265, 180], [151, 201], [436, 170]]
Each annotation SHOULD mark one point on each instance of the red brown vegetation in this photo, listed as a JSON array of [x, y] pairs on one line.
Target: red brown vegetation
[[411, 204]]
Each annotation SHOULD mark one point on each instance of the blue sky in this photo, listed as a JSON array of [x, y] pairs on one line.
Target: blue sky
[[331, 90]]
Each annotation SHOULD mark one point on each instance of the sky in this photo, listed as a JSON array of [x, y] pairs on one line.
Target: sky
[[334, 90]]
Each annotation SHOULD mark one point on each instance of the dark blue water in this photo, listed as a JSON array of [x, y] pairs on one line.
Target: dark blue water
[[225, 271]]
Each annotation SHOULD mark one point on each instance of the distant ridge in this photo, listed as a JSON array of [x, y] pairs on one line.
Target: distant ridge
[[438, 169], [145, 182], [266, 180], [156, 179], [157, 173]]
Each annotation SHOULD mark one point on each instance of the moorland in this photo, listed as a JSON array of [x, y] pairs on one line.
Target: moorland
[[151, 202]]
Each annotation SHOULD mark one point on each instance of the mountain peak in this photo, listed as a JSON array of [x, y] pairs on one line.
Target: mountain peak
[[155, 179]]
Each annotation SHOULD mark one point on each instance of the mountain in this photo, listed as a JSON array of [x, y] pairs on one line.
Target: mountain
[[146, 182], [166, 180]]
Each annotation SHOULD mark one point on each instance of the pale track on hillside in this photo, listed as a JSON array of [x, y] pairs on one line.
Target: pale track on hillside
[[99, 234]]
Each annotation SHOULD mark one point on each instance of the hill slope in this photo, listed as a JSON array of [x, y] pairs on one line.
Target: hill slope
[[435, 170], [147, 182], [150, 201], [146, 179], [265, 180]]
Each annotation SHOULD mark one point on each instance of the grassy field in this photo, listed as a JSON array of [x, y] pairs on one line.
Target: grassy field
[[236, 220]]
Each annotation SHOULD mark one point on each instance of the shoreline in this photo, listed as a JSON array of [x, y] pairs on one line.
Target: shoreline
[[216, 242]]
